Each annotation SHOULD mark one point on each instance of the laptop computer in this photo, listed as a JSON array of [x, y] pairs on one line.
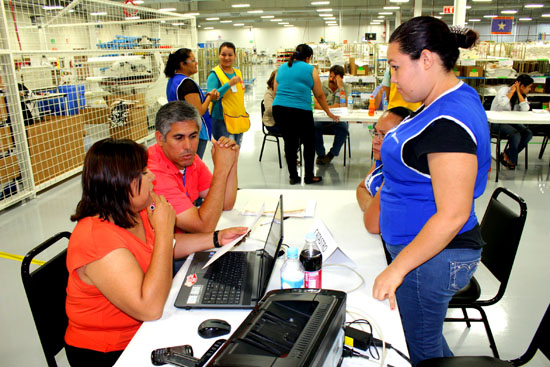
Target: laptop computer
[[238, 279]]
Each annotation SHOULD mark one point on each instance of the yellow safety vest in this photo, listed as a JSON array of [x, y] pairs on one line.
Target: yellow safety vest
[[235, 116], [396, 99]]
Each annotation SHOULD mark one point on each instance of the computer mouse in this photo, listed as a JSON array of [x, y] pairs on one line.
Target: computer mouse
[[212, 328]]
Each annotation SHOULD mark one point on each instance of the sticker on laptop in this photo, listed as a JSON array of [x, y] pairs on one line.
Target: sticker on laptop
[[190, 280], [194, 295]]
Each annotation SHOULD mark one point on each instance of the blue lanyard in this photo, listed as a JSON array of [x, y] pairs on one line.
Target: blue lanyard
[[185, 187]]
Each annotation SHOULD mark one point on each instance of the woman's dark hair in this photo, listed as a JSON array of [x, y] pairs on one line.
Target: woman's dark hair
[[524, 80], [429, 33], [110, 168], [174, 61], [271, 79], [401, 111], [228, 45], [302, 52]]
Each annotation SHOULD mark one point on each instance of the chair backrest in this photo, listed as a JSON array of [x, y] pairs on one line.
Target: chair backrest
[[46, 289], [501, 229], [539, 342]]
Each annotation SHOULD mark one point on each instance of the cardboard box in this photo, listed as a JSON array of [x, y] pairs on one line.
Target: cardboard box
[[538, 88], [135, 129], [352, 66], [137, 99], [457, 70], [3, 110], [93, 115], [472, 71], [362, 70], [56, 146], [9, 169], [6, 140]]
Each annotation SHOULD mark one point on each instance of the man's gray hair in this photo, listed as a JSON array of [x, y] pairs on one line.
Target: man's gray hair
[[176, 111]]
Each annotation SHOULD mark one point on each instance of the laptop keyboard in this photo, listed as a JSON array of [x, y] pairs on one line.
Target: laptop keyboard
[[226, 279]]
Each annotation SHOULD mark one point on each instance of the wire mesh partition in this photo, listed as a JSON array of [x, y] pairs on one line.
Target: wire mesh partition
[[73, 73]]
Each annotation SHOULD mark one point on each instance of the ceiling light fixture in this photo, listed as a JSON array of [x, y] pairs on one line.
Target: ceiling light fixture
[[399, 1], [240, 6], [385, 13], [468, 7], [167, 9], [238, 24], [52, 7], [282, 23], [288, 25], [482, 1], [509, 11], [545, 15], [208, 27], [178, 23], [474, 20], [329, 18], [392, 7], [195, 14], [275, 20], [255, 11], [534, 5], [216, 18], [525, 19], [99, 13], [437, 16], [267, 16], [381, 17], [320, 2], [324, 10], [132, 18], [226, 21], [326, 15], [138, 1], [490, 16]]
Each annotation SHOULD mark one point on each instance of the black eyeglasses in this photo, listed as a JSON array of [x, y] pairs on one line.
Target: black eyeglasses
[[376, 134]]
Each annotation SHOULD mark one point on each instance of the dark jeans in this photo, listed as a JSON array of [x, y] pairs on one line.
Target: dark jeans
[[424, 295], [79, 357], [219, 129], [338, 129], [297, 127], [518, 136]]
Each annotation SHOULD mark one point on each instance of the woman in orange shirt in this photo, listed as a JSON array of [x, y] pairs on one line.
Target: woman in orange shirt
[[119, 256]]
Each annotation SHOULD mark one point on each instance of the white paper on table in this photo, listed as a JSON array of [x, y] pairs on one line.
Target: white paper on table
[[295, 208], [222, 250], [328, 245]]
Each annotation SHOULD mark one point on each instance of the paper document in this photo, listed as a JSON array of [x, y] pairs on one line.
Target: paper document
[[222, 250], [295, 208], [328, 245]]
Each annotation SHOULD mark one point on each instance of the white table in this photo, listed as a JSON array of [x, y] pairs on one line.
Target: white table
[[340, 212], [358, 116], [515, 117]]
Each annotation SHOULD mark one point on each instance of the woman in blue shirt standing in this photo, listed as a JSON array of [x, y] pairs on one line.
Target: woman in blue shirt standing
[[292, 110], [435, 164], [180, 66]]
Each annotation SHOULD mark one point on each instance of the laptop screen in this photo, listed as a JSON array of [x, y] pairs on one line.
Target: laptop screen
[[274, 238]]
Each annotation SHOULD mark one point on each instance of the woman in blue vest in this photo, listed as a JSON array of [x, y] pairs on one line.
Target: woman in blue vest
[[292, 110], [180, 66], [436, 163]]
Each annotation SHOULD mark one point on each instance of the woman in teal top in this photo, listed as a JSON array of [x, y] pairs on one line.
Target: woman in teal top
[[293, 113], [227, 58]]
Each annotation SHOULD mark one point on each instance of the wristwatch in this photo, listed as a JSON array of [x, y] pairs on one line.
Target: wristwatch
[[215, 239]]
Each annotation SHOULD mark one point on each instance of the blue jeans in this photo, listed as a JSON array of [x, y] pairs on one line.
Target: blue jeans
[[338, 129], [219, 129], [201, 148], [518, 136], [424, 295]]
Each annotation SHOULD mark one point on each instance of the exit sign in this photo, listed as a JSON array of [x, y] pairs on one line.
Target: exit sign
[[449, 9]]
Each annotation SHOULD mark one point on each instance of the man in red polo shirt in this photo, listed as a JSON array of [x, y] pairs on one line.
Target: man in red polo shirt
[[182, 177]]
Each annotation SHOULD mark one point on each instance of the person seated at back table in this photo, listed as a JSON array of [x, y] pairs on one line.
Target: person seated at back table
[[513, 98], [182, 177], [267, 118], [368, 190], [119, 256], [332, 89]]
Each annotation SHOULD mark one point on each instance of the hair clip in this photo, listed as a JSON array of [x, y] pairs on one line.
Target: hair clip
[[458, 29]]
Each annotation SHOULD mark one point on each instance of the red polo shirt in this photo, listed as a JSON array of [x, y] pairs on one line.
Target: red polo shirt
[[170, 180]]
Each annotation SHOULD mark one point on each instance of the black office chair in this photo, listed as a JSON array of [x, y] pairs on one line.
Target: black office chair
[[46, 289], [539, 342], [501, 229], [498, 138], [347, 143], [276, 136]]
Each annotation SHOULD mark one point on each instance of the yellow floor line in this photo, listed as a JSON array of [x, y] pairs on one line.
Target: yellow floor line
[[19, 258]]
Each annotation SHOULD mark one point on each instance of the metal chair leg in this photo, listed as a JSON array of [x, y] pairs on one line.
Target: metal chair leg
[[466, 318], [263, 144], [492, 343], [279, 152]]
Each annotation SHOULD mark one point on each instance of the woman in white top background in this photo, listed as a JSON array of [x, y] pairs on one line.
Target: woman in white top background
[[513, 98]]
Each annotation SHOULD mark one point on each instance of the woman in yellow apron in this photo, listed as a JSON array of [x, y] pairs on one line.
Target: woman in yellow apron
[[229, 116]]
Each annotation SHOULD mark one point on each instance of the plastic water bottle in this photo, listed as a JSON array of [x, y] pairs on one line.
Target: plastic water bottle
[[292, 271], [312, 260], [350, 103], [385, 104], [342, 99]]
